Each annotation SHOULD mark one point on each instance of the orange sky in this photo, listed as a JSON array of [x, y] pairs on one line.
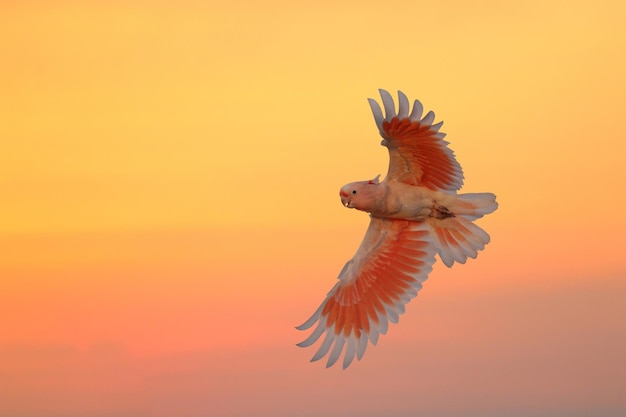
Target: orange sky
[[170, 210]]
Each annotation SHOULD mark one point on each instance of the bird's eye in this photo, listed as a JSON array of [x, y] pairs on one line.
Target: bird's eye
[[353, 191]]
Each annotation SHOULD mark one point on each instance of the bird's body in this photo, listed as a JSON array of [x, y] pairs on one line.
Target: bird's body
[[397, 200], [415, 213]]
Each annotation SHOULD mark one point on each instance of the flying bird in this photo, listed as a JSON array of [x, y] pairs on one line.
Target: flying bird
[[415, 213]]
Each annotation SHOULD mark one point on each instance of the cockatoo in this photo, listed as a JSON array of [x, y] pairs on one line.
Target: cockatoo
[[415, 213]]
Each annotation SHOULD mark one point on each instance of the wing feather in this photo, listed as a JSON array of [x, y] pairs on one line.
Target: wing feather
[[418, 155], [403, 105], [416, 113], [385, 273], [389, 106]]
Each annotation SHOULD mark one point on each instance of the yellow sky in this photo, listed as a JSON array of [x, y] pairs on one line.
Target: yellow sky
[[126, 116]]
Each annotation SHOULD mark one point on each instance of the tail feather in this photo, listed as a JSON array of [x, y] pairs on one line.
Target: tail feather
[[457, 239], [473, 206]]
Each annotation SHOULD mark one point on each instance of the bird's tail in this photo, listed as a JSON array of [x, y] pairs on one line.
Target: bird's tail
[[457, 237], [473, 206]]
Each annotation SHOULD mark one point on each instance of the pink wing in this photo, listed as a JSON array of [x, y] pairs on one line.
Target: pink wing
[[418, 155], [386, 272]]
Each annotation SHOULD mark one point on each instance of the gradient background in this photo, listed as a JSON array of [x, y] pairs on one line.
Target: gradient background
[[169, 176]]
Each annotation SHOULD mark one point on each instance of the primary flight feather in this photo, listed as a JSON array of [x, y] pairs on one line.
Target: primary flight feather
[[415, 213]]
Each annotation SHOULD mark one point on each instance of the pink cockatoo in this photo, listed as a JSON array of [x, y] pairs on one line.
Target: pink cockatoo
[[415, 213]]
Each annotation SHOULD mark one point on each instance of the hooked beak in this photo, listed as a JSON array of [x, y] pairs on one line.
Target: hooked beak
[[345, 199]]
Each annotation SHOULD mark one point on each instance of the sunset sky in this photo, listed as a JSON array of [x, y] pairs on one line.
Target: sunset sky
[[169, 209]]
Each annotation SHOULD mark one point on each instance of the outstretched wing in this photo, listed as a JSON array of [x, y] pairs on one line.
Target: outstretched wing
[[418, 155], [386, 272]]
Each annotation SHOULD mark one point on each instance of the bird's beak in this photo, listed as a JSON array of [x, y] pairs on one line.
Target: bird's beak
[[347, 202], [345, 199]]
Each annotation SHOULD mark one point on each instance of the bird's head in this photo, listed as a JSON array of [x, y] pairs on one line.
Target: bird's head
[[361, 195]]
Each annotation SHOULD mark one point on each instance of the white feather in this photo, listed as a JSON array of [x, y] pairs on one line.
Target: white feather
[[383, 324], [444, 253], [436, 126], [378, 114], [374, 333], [362, 346], [403, 105], [390, 110], [465, 243], [323, 350], [314, 317], [392, 314], [416, 113], [351, 343], [428, 119], [335, 353], [457, 253], [426, 270], [319, 330]]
